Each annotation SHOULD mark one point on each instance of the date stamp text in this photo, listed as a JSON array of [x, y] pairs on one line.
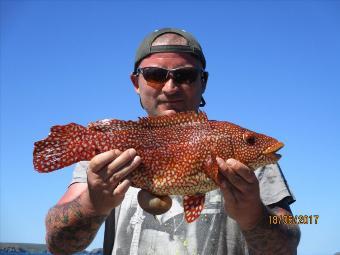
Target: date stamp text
[[293, 219]]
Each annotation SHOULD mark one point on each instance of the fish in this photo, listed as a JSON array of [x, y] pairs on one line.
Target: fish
[[178, 151]]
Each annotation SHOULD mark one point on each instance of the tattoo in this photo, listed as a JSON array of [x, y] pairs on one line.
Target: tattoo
[[70, 229], [266, 238]]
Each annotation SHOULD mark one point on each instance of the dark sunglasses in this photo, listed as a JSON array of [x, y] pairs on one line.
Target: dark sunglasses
[[180, 75]]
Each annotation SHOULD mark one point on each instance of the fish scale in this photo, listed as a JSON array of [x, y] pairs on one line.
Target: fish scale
[[178, 151]]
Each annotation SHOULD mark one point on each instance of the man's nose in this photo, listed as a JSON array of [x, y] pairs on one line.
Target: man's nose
[[170, 86]]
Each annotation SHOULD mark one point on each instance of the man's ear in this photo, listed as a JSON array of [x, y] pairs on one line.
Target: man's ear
[[204, 81], [134, 80]]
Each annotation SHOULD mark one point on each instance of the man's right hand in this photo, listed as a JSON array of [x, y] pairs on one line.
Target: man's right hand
[[107, 179]]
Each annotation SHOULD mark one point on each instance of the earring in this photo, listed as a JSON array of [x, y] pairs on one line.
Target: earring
[[202, 104], [140, 101]]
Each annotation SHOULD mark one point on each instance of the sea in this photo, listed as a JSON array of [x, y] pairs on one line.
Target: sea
[[36, 249], [41, 253]]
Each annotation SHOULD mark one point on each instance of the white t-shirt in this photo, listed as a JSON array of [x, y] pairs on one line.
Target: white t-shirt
[[213, 233]]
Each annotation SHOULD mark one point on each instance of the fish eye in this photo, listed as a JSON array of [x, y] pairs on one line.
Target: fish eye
[[249, 138]]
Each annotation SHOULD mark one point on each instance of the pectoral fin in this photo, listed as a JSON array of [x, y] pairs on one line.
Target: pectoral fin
[[193, 206]]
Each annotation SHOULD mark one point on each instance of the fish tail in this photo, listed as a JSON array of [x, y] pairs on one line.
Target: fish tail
[[64, 146]]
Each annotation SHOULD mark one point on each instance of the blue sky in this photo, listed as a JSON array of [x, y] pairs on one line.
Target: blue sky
[[274, 68]]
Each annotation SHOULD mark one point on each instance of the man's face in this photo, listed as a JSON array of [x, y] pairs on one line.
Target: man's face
[[172, 96]]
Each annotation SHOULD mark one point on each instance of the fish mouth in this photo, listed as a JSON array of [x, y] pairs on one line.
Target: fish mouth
[[271, 151]]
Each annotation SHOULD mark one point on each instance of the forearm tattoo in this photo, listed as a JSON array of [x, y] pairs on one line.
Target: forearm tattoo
[[70, 229], [266, 238]]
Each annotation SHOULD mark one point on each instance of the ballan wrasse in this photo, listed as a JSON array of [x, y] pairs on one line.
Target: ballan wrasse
[[178, 152]]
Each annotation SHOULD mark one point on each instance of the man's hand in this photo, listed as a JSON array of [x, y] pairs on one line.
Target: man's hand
[[72, 224], [107, 179], [241, 193], [240, 189]]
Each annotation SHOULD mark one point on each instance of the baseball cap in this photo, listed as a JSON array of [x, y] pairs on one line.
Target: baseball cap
[[145, 49]]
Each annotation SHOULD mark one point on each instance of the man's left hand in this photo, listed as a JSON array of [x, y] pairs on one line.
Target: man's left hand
[[240, 189]]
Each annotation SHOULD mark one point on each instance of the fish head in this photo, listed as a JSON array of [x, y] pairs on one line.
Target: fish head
[[255, 149]]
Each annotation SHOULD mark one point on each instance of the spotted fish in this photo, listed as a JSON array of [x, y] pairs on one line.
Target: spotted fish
[[178, 152]]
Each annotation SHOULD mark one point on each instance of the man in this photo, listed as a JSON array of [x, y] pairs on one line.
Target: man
[[169, 77]]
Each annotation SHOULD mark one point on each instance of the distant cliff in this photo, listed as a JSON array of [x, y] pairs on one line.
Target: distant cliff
[[30, 248]]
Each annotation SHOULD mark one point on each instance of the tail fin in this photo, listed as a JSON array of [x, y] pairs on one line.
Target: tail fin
[[64, 146]]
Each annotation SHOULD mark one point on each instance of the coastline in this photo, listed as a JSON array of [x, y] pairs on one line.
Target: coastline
[[33, 248]]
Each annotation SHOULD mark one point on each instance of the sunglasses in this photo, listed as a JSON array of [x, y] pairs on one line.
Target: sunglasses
[[181, 75]]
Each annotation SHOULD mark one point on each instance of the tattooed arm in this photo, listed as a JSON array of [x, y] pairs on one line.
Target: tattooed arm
[[269, 238], [72, 224], [71, 227]]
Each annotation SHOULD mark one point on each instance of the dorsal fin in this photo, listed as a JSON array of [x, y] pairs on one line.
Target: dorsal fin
[[173, 120], [180, 118], [108, 125]]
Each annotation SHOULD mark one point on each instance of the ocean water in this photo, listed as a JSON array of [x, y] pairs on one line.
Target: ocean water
[[29, 253], [20, 253]]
